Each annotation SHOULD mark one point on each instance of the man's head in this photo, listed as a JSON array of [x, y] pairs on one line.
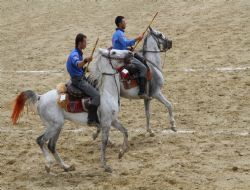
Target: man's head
[[80, 41], [120, 22]]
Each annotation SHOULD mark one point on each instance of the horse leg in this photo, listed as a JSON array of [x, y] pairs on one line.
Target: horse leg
[[169, 106], [105, 137], [116, 124], [147, 112], [41, 140], [52, 148], [96, 134]]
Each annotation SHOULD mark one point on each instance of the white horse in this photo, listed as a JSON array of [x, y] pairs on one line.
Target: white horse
[[53, 116], [154, 43]]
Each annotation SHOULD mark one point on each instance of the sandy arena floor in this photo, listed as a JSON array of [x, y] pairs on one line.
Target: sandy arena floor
[[207, 75]]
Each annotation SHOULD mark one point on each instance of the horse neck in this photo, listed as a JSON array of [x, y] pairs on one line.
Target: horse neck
[[110, 84], [151, 45]]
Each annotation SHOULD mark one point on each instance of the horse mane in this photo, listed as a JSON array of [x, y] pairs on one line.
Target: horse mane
[[101, 66]]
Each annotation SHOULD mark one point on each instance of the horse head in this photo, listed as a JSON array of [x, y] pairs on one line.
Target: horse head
[[162, 41], [116, 58]]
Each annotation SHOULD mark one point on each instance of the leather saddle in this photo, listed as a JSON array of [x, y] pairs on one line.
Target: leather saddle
[[72, 99], [74, 92]]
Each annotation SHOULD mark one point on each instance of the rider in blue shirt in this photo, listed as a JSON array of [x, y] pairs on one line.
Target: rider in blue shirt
[[74, 65], [119, 41], [74, 58]]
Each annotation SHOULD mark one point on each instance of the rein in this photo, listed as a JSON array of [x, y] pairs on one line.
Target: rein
[[110, 62], [152, 51], [152, 63]]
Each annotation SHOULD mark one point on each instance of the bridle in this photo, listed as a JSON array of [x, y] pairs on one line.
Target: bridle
[[156, 38], [144, 49]]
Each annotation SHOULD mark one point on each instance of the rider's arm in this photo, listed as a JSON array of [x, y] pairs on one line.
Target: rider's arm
[[83, 62], [79, 63], [126, 42]]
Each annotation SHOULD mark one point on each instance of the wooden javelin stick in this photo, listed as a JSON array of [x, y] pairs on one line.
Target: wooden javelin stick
[[92, 53], [146, 30]]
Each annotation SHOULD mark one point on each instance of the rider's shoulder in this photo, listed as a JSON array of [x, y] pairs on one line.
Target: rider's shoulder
[[118, 32], [73, 52]]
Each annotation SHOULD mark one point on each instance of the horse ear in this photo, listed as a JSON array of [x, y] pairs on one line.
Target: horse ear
[[150, 28]]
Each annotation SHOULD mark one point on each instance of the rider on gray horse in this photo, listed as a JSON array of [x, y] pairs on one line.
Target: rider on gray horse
[[119, 41], [75, 65]]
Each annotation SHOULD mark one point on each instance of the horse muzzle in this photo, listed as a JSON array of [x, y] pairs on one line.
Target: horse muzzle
[[169, 44]]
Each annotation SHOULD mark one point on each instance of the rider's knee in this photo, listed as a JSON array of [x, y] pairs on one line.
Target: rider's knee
[[96, 99]]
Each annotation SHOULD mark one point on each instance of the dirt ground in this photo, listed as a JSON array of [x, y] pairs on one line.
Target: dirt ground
[[207, 78]]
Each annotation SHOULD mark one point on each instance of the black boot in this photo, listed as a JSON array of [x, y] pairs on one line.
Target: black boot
[[142, 88], [92, 116]]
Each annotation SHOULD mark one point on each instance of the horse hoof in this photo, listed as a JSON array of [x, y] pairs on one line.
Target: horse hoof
[[108, 169], [94, 136], [111, 144], [69, 168], [121, 153], [173, 129], [47, 168], [151, 134]]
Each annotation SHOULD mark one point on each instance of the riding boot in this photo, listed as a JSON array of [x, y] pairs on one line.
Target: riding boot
[[92, 116], [142, 88]]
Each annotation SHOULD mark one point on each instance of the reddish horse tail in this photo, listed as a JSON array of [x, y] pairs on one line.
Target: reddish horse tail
[[20, 101]]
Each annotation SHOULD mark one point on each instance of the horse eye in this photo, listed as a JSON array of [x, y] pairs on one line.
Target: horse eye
[[113, 53]]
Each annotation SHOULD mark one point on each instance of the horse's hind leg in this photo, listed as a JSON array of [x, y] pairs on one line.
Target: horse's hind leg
[[116, 124], [169, 106], [52, 148], [147, 112], [50, 132], [41, 140]]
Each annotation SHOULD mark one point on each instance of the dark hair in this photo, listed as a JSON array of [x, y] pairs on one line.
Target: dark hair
[[79, 38], [118, 20]]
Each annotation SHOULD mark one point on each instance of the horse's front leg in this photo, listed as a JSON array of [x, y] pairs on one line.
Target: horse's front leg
[[105, 137], [159, 96], [148, 115], [96, 134]]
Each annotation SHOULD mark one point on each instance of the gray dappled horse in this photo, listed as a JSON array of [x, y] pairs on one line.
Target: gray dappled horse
[[53, 116], [154, 43]]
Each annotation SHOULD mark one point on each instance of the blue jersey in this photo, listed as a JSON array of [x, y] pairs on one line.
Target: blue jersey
[[119, 40], [74, 58]]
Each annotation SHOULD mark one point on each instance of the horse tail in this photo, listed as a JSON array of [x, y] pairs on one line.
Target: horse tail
[[19, 103]]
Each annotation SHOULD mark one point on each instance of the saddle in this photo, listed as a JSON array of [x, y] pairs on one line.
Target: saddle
[[72, 99]]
